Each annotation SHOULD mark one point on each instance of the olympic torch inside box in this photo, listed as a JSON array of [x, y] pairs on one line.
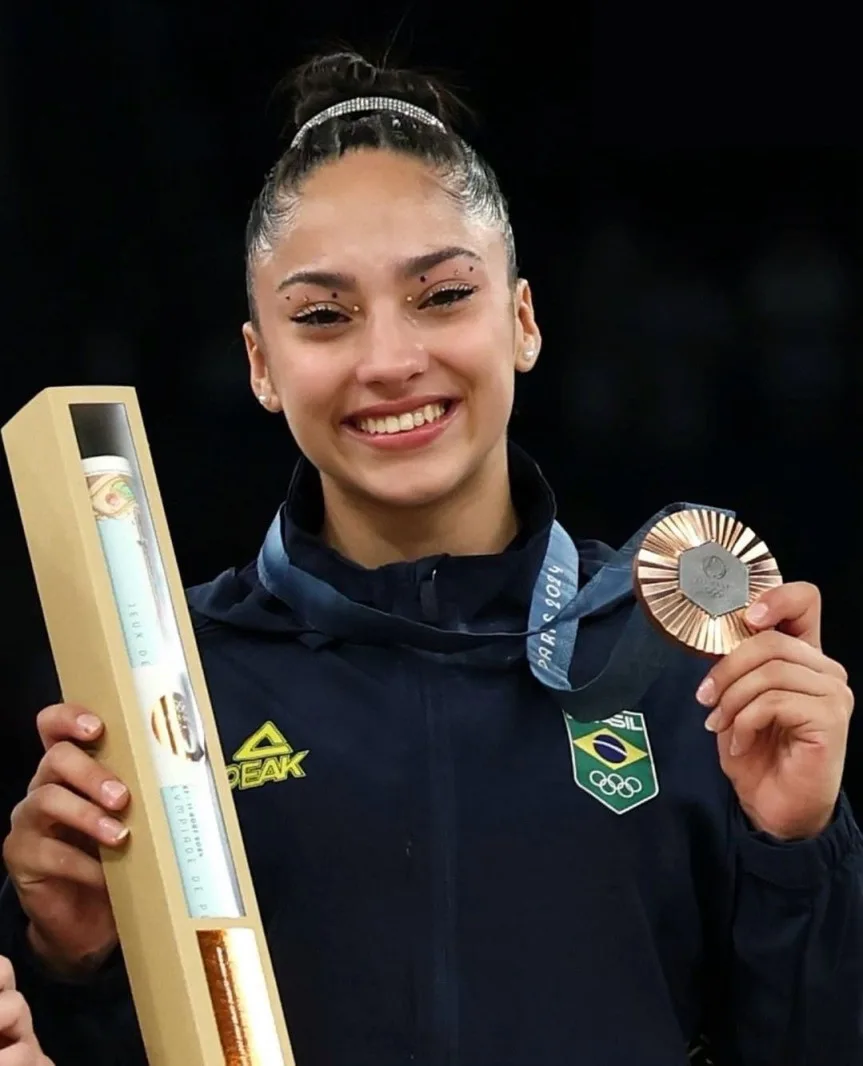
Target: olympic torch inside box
[[124, 648]]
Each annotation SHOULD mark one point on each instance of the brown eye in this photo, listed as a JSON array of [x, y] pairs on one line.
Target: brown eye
[[319, 315], [448, 296]]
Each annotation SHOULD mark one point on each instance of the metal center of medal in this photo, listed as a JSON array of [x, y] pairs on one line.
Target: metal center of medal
[[696, 572], [713, 579]]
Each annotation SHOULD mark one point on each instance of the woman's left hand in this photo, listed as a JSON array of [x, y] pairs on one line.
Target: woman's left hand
[[781, 711]]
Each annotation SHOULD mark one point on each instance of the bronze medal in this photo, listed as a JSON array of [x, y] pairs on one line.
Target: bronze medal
[[695, 574]]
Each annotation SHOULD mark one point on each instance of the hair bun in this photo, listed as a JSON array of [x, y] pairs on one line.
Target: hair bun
[[329, 79]]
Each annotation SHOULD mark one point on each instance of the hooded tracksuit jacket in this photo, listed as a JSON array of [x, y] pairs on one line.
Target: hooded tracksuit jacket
[[488, 828]]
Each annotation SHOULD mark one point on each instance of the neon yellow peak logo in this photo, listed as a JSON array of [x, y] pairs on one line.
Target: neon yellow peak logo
[[265, 756]]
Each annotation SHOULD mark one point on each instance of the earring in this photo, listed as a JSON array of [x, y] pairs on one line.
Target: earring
[[529, 353], [263, 397]]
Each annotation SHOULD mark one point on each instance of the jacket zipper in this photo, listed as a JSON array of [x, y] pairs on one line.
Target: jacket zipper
[[444, 1013]]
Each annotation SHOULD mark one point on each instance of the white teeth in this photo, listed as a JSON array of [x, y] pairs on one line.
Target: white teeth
[[404, 422]]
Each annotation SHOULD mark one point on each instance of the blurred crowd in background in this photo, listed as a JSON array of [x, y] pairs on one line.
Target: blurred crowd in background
[[697, 282]]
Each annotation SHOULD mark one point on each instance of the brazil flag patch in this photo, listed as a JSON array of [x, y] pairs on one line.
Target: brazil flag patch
[[612, 760]]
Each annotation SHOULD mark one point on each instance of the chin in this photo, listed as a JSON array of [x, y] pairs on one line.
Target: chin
[[422, 492], [412, 484]]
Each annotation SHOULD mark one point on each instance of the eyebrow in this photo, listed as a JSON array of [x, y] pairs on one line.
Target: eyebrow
[[410, 268], [419, 264]]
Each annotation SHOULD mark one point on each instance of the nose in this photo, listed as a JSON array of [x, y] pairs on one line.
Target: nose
[[390, 352]]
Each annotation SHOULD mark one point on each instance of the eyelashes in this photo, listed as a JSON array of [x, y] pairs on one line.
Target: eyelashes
[[326, 315], [319, 315], [447, 296]]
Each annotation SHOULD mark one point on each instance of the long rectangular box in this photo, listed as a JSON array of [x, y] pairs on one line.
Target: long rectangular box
[[124, 648]]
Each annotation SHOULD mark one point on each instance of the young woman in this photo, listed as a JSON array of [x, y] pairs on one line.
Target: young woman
[[18, 1044], [444, 880]]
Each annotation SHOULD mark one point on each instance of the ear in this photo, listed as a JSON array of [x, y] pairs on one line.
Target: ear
[[259, 375], [528, 339]]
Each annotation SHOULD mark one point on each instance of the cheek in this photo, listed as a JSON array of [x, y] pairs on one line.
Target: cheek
[[490, 366], [501, 394], [308, 386]]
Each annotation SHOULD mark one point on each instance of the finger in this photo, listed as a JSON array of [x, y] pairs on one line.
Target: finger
[[24, 1053], [7, 974], [53, 805], [775, 675], [774, 708], [15, 1020], [69, 765], [67, 721], [795, 608], [43, 857], [757, 650]]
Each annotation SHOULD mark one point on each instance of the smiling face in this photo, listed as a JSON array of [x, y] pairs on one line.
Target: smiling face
[[388, 331]]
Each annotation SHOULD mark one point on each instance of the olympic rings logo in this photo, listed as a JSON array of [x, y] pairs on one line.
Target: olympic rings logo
[[615, 785]]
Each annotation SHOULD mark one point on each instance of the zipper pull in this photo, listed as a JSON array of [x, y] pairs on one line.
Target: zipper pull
[[428, 598]]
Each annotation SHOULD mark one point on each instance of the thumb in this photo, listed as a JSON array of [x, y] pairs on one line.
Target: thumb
[[794, 609]]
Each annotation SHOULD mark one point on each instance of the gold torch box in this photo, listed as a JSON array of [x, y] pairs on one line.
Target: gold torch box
[[124, 648]]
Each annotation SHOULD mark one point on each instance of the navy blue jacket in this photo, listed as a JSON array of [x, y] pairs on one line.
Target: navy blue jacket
[[451, 872]]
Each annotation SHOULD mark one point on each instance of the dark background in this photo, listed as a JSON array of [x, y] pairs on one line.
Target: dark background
[[686, 193]]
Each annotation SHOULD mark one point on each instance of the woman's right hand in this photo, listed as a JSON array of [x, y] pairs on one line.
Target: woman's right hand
[[17, 1039], [51, 852]]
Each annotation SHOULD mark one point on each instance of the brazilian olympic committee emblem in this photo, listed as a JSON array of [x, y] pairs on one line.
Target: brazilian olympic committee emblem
[[612, 760]]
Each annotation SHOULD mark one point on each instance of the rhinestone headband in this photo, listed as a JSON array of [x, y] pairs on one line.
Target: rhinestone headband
[[368, 103]]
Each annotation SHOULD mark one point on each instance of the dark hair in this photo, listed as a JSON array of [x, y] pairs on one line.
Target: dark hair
[[336, 77]]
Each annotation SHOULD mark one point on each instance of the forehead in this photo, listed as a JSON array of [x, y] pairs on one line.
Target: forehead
[[369, 208]]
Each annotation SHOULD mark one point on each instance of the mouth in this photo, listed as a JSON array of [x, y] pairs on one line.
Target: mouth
[[426, 415], [409, 428]]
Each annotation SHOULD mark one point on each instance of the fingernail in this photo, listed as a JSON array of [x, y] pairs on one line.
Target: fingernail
[[114, 791], [711, 722], [756, 613], [734, 747], [89, 723], [706, 692], [113, 829]]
